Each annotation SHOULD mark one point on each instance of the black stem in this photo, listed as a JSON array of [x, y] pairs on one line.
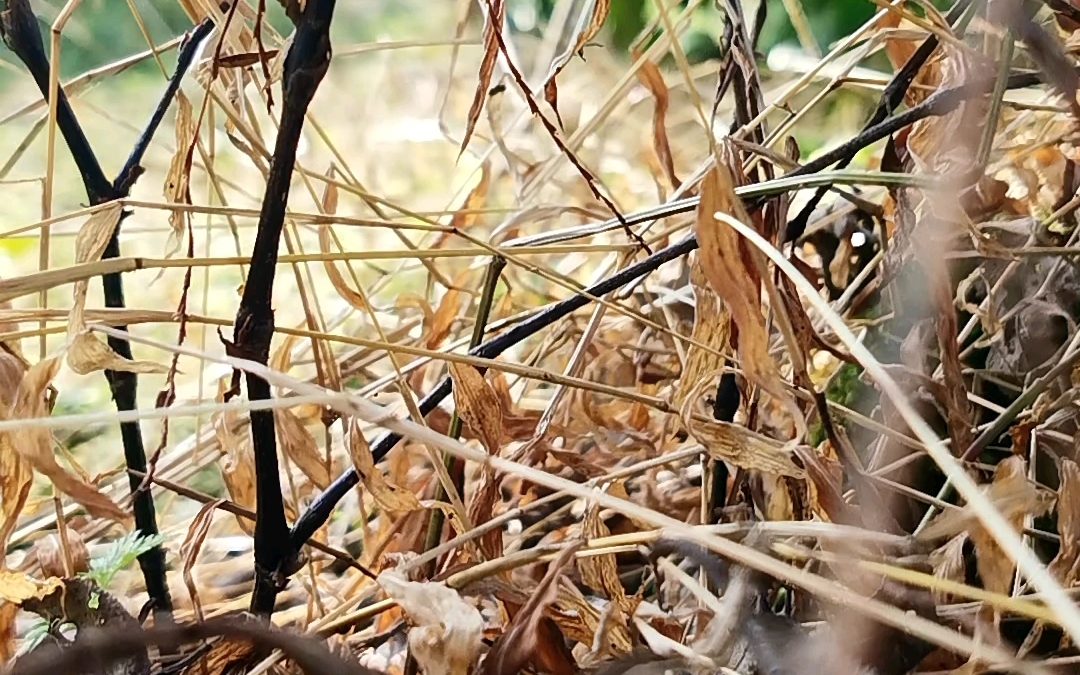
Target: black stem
[[22, 34], [305, 66], [890, 100]]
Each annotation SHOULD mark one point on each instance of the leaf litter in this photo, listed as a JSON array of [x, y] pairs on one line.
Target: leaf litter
[[711, 392]]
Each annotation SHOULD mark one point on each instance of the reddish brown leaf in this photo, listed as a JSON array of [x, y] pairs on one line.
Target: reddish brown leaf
[[492, 25], [520, 642], [650, 77]]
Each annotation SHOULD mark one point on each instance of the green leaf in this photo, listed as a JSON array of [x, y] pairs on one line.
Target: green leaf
[[35, 634], [123, 552]]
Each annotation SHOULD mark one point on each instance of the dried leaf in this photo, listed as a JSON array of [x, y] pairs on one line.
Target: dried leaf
[[443, 318], [389, 497], [478, 405], [465, 216], [238, 462], [177, 187], [493, 21], [649, 76], [90, 244], [743, 448], [35, 444], [712, 326], [601, 573], [1065, 564], [593, 15], [482, 509], [8, 613], [355, 299], [49, 553], [948, 563], [189, 550], [446, 635], [299, 445], [16, 587], [725, 266], [87, 353], [1014, 497], [520, 641]]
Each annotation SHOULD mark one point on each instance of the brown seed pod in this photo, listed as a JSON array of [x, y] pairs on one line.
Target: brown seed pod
[[50, 555]]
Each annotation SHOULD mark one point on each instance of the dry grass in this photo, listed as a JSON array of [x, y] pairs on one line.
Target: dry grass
[[596, 430]]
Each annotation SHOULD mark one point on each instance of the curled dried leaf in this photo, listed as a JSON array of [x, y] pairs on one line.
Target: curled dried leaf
[[17, 588], [34, 444], [177, 187], [649, 75], [712, 327], [478, 405], [299, 445], [593, 15], [446, 635], [465, 216], [49, 552], [493, 22], [724, 259], [442, 320], [524, 640], [389, 497], [87, 353]]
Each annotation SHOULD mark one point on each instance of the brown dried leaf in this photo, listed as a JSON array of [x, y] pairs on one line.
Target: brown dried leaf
[[49, 553], [478, 405], [650, 77], [87, 354], [178, 179], [355, 299], [224, 656], [443, 318], [8, 613], [519, 643], [299, 445], [482, 509], [1014, 497], [16, 477], [742, 447], [446, 635], [17, 587], [712, 327], [725, 266], [189, 550], [597, 11], [35, 444], [465, 216], [493, 22], [238, 463], [90, 244], [601, 573], [948, 563], [389, 497], [1065, 564]]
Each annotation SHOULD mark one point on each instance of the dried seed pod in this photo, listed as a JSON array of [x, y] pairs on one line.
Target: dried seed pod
[[50, 555]]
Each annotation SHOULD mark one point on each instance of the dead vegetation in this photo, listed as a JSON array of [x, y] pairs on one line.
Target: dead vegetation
[[656, 392]]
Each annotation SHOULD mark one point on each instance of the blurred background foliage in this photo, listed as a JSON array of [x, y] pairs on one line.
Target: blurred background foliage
[[102, 31]]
